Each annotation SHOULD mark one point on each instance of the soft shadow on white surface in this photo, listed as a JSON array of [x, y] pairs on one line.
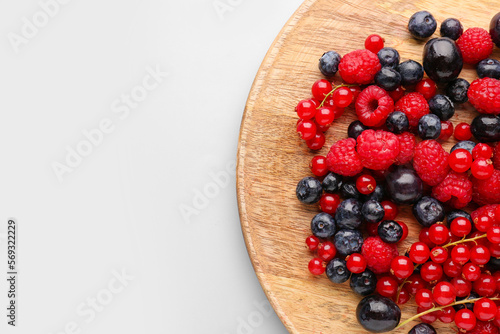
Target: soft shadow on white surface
[[119, 130]]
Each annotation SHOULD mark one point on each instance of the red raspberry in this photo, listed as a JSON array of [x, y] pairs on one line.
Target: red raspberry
[[343, 158], [373, 106], [377, 149], [407, 144], [483, 327], [378, 254], [484, 95], [487, 191], [359, 67], [456, 188], [486, 210], [475, 44], [431, 162], [414, 105], [496, 156]]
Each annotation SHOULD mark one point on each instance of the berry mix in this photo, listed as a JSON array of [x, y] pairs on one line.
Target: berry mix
[[393, 157]]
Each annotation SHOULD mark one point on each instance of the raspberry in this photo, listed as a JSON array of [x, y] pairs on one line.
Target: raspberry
[[373, 106], [456, 188], [496, 156], [475, 45], [377, 149], [486, 210], [487, 191], [343, 159], [359, 67], [414, 105], [378, 254], [483, 327], [431, 162], [484, 95], [407, 144]]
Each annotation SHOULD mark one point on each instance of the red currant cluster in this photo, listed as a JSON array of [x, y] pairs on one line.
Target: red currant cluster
[[479, 162]]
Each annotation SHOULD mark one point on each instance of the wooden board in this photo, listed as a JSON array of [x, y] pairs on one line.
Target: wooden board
[[272, 159]]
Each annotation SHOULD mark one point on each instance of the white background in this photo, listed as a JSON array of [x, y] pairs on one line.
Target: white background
[[118, 209]]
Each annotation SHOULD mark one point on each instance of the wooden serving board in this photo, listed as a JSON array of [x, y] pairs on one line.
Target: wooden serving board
[[272, 159]]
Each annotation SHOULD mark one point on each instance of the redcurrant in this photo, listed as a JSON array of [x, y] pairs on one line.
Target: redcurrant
[[446, 130], [327, 251], [444, 293], [390, 210], [462, 131], [465, 319], [482, 168], [306, 129], [419, 252], [356, 263], [317, 142], [427, 88], [318, 165], [316, 266], [321, 88], [374, 43], [387, 286], [306, 109], [482, 150], [485, 309], [438, 234], [312, 242], [401, 267], [460, 160], [460, 227], [366, 184], [342, 97], [329, 203]]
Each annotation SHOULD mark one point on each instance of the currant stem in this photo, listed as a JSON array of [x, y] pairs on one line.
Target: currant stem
[[331, 92], [465, 240], [465, 301]]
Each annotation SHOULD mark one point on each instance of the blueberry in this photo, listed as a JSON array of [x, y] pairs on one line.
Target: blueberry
[[349, 190], [377, 195], [337, 272], [378, 314], [388, 78], [411, 72], [442, 59], [364, 284], [323, 225], [457, 90], [429, 127], [348, 214], [348, 241], [397, 122], [422, 24], [450, 216], [428, 211], [388, 57], [488, 68], [332, 183], [442, 107], [465, 144], [469, 306], [422, 329], [390, 231], [486, 128], [329, 63], [495, 29], [494, 264], [355, 129], [451, 28], [404, 186], [372, 211], [309, 190]]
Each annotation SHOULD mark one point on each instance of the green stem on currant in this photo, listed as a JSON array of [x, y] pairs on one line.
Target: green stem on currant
[[331, 92], [465, 240], [434, 309]]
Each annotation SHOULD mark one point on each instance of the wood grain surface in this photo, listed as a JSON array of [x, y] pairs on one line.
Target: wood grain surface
[[272, 159]]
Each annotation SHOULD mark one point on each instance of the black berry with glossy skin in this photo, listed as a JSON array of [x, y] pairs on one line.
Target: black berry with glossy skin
[[457, 90], [309, 190], [355, 129], [469, 306], [397, 122], [348, 214], [378, 314], [337, 272], [450, 216], [411, 72], [428, 211], [488, 68], [323, 225], [422, 329], [486, 128], [442, 60], [451, 28], [388, 78], [422, 24], [349, 190], [442, 107], [377, 195], [365, 283], [465, 144], [404, 186], [388, 57], [429, 127], [390, 231], [372, 211], [348, 241], [495, 29], [329, 63], [332, 183]]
